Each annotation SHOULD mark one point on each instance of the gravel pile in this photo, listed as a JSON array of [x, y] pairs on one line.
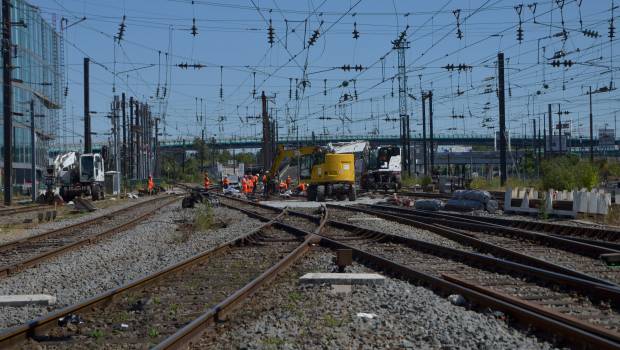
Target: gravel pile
[[10, 235], [291, 316], [148, 247]]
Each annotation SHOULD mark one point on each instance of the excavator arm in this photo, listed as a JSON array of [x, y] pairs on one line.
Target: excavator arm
[[284, 154]]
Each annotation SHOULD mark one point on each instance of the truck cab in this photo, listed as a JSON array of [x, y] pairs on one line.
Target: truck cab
[[91, 168]]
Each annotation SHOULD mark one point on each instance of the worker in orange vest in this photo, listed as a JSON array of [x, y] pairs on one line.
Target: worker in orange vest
[[283, 186], [250, 183], [225, 182], [254, 182], [301, 187], [244, 185], [151, 185], [207, 181], [288, 182]]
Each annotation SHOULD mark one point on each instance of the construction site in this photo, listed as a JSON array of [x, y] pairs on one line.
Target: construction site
[[189, 174]]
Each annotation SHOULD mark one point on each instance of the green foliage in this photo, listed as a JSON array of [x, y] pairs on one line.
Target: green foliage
[[97, 334], [203, 220], [153, 332], [408, 181], [569, 172], [527, 164], [273, 342], [331, 321]]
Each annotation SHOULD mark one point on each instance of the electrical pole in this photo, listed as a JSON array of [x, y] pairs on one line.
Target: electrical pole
[[560, 127], [7, 95], [401, 45], [131, 137], [502, 119], [88, 147], [550, 129], [430, 126], [124, 145], [424, 150], [33, 153], [138, 164], [539, 148], [591, 130], [266, 134]]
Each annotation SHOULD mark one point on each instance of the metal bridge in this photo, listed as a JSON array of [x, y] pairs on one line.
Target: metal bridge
[[256, 142]]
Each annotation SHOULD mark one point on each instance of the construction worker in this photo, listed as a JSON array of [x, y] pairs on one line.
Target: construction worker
[[282, 186], [151, 185], [301, 187], [289, 181], [244, 185], [254, 182], [250, 183], [207, 182], [265, 184], [225, 182]]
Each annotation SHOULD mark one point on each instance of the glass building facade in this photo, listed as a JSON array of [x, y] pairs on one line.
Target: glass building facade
[[37, 76]]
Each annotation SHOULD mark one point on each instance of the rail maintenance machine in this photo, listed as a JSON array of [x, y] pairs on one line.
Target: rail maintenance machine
[[328, 174]]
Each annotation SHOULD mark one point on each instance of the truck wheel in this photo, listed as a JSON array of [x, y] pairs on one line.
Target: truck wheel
[[312, 193], [320, 194], [352, 193]]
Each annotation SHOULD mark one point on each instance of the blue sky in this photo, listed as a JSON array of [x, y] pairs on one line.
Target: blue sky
[[232, 42]]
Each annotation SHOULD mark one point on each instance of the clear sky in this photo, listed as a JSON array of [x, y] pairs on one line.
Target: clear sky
[[232, 41]]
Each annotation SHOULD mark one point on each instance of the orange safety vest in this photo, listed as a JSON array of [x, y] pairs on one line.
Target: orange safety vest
[[225, 182], [264, 179], [151, 184], [301, 187]]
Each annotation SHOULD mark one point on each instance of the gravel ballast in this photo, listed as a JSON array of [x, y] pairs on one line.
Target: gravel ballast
[[375, 223], [146, 248], [287, 315]]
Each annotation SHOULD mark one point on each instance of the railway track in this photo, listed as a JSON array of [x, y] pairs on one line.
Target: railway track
[[551, 253], [24, 209], [587, 234], [576, 309], [20, 254], [172, 304]]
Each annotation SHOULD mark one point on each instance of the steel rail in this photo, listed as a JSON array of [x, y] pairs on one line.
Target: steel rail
[[60, 231], [572, 335], [11, 269], [572, 246], [34, 329], [573, 330], [547, 227], [26, 209], [480, 245], [194, 330]]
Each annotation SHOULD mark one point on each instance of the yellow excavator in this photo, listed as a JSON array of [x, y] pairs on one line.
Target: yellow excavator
[[328, 174]]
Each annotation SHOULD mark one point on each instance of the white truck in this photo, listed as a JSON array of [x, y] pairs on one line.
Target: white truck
[[80, 174]]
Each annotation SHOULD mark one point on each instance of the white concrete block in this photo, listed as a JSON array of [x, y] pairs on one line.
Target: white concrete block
[[27, 299], [342, 278], [525, 203], [602, 206], [592, 203]]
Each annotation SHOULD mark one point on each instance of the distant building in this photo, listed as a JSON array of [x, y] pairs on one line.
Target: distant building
[[607, 138], [38, 76]]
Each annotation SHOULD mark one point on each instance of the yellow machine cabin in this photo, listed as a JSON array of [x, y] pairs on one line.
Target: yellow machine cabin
[[327, 174]]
